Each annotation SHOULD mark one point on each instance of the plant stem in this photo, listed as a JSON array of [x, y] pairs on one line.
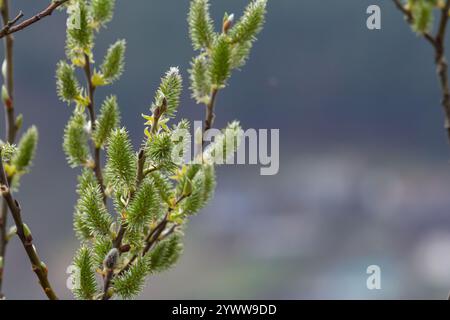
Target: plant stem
[[27, 241], [11, 128], [91, 108], [438, 44], [209, 117], [10, 27]]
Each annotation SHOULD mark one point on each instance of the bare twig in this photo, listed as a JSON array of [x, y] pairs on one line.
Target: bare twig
[[10, 27], [25, 236]]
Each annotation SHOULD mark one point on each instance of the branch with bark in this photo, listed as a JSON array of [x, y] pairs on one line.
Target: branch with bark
[[437, 41], [11, 26]]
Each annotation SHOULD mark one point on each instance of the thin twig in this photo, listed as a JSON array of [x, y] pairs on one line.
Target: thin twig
[[209, 117], [10, 27], [91, 108], [11, 127], [27, 241], [438, 43]]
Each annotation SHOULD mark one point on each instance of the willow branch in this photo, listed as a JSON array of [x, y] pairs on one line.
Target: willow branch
[[438, 44], [25, 237], [10, 27], [11, 128], [209, 116], [410, 19], [91, 108]]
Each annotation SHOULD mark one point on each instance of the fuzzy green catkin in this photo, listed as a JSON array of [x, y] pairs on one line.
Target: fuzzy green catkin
[[121, 166], [130, 284], [159, 149], [144, 207], [108, 120], [101, 247], [113, 64], [94, 213], [80, 35], [200, 81], [67, 84], [240, 53], [250, 23], [166, 254], [7, 151], [85, 285], [26, 149], [162, 185], [422, 12], [75, 143], [201, 27], [170, 88], [102, 11], [224, 145], [220, 69]]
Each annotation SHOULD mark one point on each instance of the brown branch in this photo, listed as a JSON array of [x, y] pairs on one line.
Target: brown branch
[[25, 237], [442, 65], [10, 27], [438, 43], [91, 108], [10, 126], [209, 117]]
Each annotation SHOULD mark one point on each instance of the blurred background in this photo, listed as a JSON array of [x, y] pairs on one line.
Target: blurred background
[[364, 175]]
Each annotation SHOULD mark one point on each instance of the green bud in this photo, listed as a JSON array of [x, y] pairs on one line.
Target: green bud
[[4, 68], [19, 121], [27, 232]]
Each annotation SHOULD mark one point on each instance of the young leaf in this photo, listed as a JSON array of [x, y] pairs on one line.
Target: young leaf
[[108, 120]]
